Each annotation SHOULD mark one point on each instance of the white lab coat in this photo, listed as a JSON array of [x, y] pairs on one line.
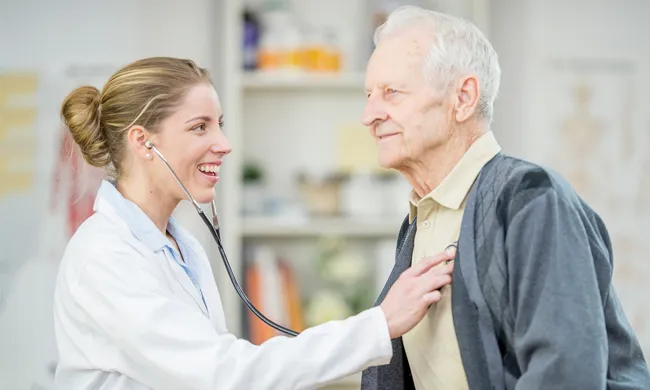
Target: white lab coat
[[128, 317]]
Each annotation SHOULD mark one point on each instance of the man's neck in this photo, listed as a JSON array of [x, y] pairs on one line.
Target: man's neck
[[430, 170]]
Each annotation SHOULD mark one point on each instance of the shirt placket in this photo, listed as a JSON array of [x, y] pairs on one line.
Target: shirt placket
[[190, 274], [428, 215]]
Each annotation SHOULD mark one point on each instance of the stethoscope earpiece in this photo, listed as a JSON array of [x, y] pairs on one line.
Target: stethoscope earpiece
[[148, 144]]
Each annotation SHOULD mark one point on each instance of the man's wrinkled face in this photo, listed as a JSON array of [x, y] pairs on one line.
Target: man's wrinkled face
[[405, 114]]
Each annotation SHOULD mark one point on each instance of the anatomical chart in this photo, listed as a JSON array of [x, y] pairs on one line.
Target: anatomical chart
[[75, 183], [600, 144]]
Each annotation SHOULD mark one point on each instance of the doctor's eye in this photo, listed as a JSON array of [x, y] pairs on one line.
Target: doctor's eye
[[200, 127]]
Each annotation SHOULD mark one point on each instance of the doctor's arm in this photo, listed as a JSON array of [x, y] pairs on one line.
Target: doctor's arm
[[560, 340], [171, 345]]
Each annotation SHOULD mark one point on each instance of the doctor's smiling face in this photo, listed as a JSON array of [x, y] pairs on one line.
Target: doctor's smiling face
[[192, 142], [171, 103]]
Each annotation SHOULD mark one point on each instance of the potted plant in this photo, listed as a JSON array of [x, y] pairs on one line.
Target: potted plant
[[252, 188]]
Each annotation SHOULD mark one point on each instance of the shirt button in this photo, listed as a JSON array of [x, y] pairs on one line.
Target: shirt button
[[426, 224]]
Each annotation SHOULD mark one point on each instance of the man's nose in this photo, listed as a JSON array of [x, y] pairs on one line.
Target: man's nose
[[374, 111]]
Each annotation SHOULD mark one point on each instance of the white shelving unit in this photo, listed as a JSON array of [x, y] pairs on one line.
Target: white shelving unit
[[288, 122], [347, 227], [260, 81]]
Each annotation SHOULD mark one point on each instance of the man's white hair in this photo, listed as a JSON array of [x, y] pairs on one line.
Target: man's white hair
[[458, 47]]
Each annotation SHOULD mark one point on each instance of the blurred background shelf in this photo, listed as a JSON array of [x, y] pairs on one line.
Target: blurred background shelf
[[346, 227], [292, 87], [353, 81]]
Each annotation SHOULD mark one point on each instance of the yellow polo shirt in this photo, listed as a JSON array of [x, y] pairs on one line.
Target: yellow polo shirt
[[431, 346]]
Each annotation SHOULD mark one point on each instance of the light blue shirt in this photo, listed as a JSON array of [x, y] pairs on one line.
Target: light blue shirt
[[146, 231]]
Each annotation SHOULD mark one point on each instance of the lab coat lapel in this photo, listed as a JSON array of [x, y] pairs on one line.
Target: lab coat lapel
[[187, 285], [212, 295]]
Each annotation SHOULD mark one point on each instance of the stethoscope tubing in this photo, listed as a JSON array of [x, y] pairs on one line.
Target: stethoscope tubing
[[215, 232]]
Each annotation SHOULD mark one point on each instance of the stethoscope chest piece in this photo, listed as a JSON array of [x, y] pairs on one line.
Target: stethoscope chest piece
[[452, 246]]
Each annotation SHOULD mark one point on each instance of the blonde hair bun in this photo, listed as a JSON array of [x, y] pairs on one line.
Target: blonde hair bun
[[81, 114]]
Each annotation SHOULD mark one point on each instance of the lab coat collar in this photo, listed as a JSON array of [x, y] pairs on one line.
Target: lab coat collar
[[112, 204]]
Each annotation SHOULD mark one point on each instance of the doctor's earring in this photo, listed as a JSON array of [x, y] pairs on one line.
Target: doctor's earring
[[149, 156]]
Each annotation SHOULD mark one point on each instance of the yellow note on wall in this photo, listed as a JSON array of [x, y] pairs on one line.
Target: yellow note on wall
[[357, 150], [17, 83], [18, 113]]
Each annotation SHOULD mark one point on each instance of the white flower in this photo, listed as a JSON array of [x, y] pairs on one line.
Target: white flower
[[346, 268], [327, 305]]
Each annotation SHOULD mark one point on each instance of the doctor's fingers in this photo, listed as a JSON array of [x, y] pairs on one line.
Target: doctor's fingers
[[428, 263], [435, 278]]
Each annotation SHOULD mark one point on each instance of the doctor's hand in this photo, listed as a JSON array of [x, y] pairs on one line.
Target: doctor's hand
[[414, 291]]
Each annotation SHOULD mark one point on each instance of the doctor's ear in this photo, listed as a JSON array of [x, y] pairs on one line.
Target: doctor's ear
[[137, 136]]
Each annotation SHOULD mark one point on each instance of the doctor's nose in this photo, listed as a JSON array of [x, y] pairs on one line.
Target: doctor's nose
[[221, 145]]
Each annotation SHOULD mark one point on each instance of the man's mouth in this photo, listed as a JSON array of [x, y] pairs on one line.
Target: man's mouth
[[209, 169], [384, 136]]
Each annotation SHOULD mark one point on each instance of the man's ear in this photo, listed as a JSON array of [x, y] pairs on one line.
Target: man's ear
[[136, 137], [467, 96]]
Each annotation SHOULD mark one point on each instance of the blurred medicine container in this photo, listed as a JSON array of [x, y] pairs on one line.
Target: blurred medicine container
[[284, 46], [251, 40]]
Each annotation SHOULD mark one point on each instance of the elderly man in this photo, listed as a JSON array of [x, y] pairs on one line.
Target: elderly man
[[531, 304]]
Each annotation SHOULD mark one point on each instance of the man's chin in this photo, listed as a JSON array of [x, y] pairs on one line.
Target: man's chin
[[388, 162]]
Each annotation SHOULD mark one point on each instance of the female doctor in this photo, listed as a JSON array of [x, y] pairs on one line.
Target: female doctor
[[136, 305]]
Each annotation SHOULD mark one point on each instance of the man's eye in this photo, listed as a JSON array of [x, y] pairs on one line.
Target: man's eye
[[390, 91]]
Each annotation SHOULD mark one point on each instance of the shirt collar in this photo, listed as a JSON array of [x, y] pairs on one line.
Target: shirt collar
[[111, 203], [453, 189]]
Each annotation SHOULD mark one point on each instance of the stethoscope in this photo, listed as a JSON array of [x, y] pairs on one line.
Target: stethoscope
[[214, 230]]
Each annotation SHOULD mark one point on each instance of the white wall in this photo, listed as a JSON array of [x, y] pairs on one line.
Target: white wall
[[47, 37]]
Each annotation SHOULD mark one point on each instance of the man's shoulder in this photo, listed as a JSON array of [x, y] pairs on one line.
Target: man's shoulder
[[512, 183], [515, 176]]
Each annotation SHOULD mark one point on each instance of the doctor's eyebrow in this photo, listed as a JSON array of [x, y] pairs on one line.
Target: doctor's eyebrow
[[201, 117]]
